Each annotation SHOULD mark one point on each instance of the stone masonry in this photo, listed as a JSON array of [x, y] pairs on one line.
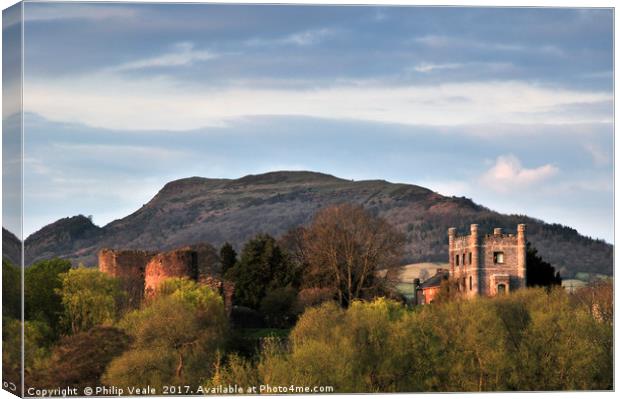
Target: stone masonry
[[487, 264], [141, 272]]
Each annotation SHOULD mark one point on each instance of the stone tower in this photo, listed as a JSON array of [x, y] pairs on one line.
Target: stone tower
[[487, 264]]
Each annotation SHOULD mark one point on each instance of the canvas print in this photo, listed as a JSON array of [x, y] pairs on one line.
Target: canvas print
[[214, 199]]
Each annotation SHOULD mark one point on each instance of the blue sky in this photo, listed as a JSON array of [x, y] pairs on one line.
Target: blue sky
[[510, 107]]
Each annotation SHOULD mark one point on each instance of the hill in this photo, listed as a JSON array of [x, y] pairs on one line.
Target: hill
[[11, 247], [198, 209]]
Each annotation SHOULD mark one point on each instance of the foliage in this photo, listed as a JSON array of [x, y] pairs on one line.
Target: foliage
[[278, 306], [533, 339], [597, 296], [309, 297], [36, 339], [176, 337], [11, 289], [345, 246], [90, 298], [263, 267], [11, 351], [79, 360], [42, 300], [540, 273], [228, 257]]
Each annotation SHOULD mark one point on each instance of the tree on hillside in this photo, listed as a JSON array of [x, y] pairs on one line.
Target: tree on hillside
[[89, 298], [540, 273], [228, 257], [345, 246], [41, 298], [262, 267]]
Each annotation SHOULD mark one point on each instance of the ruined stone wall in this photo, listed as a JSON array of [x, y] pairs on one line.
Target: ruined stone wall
[[177, 263], [142, 272], [129, 267]]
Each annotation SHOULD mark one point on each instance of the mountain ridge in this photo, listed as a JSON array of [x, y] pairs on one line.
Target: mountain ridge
[[198, 209]]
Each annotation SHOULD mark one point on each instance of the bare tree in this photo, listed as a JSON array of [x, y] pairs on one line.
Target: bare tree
[[345, 246]]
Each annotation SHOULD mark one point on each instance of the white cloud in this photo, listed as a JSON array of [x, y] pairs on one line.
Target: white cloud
[[599, 156], [507, 174], [429, 67], [304, 38], [111, 101], [438, 41], [309, 37], [183, 54]]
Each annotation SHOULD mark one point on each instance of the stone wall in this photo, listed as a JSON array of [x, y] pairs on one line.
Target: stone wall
[[141, 272], [477, 267], [129, 267]]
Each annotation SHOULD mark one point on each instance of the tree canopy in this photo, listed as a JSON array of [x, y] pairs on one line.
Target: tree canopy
[[176, 337], [262, 267], [345, 246], [42, 300], [89, 298]]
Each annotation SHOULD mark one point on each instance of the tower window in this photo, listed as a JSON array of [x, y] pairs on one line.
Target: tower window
[[470, 258], [470, 283], [463, 258], [457, 260], [498, 257]]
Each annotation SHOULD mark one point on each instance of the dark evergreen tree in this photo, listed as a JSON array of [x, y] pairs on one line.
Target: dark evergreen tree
[[228, 257], [262, 267], [540, 273], [42, 299], [11, 288]]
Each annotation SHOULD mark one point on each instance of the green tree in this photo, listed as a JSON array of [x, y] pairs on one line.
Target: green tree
[[533, 339], [90, 298], [228, 257], [11, 290], [263, 267], [42, 300], [176, 337], [278, 306]]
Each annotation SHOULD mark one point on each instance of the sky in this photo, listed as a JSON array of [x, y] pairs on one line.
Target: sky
[[512, 107]]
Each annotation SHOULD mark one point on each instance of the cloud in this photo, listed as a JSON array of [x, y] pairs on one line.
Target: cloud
[[183, 54], [599, 156], [131, 153], [304, 38], [51, 12], [427, 67], [111, 101], [507, 174], [438, 41], [308, 37]]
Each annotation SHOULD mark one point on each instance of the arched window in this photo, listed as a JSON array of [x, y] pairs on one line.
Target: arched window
[[501, 289]]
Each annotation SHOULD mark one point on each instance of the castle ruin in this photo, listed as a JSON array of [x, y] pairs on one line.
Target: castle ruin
[[141, 272]]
